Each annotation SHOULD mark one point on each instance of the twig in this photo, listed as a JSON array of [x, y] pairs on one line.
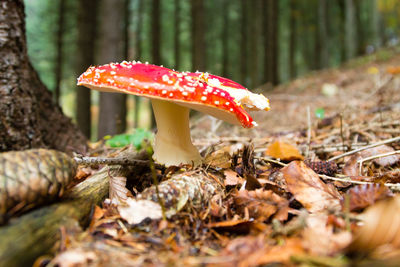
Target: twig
[[361, 161], [308, 131], [387, 141], [347, 179], [271, 160]]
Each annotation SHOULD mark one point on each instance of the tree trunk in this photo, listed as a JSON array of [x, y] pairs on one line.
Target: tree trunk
[[322, 36], [198, 36], [225, 38], [59, 50], [255, 14], [375, 16], [112, 115], [138, 51], [243, 42], [361, 32], [293, 39], [177, 44], [87, 13], [271, 41], [29, 116], [350, 29]]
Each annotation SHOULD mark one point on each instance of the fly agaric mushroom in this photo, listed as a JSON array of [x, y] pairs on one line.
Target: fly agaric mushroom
[[172, 94]]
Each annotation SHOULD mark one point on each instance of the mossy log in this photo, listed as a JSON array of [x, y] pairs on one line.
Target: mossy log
[[25, 238]]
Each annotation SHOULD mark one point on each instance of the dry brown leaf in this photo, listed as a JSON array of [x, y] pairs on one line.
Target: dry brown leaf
[[309, 189], [138, 210], [393, 70], [281, 254], [235, 226], [283, 151], [219, 158], [382, 161], [351, 167], [362, 196], [261, 204], [319, 237], [381, 227], [232, 178]]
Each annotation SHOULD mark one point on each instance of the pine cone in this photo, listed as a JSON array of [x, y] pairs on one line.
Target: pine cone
[[322, 167], [32, 177]]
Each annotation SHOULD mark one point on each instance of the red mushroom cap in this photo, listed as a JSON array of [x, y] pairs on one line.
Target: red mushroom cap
[[200, 91]]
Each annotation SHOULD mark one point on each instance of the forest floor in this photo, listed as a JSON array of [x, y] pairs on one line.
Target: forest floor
[[282, 198]]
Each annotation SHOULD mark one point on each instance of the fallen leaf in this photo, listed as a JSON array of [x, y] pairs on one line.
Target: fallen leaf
[[136, 211], [381, 227], [235, 226], [219, 158], [393, 70], [232, 178], [382, 161], [309, 189], [362, 196], [319, 237], [283, 151], [261, 204], [118, 190], [351, 167]]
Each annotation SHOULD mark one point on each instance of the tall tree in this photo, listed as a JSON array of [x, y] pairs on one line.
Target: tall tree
[[293, 38], [198, 35], [59, 49], [156, 32], [271, 57], [87, 12], [29, 116], [255, 14], [350, 29], [177, 32], [112, 115], [138, 53], [225, 37], [243, 41], [321, 40]]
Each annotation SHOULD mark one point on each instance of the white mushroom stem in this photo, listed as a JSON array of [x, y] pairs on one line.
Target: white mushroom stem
[[173, 144]]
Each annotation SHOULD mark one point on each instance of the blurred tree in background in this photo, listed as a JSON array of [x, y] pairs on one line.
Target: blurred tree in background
[[259, 43]]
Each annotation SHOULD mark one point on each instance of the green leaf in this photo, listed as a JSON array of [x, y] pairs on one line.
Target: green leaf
[[320, 113], [136, 139]]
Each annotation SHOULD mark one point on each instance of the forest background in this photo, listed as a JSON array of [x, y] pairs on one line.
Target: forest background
[[259, 43]]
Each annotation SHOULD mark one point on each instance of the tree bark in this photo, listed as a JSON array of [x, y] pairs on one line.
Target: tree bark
[[322, 36], [225, 38], [112, 115], [271, 41], [138, 51], [350, 29], [255, 14], [29, 116], [243, 42], [177, 32], [59, 50], [198, 36], [87, 14], [293, 39], [156, 32]]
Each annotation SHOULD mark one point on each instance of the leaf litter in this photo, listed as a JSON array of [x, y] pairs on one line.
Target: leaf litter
[[276, 195]]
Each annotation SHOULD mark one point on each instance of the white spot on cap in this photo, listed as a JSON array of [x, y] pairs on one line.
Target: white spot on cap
[[171, 94], [216, 102], [185, 93], [165, 78], [113, 72], [227, 103], [254, 123], [163, 92], [203, 98]]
